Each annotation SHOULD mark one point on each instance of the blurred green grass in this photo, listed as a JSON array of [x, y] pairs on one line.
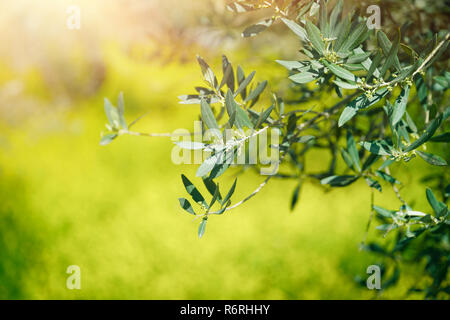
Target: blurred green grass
[[113, 211]]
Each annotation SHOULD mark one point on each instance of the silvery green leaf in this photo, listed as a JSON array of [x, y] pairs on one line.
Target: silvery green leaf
[[208, 115], [186, 205], [400, 105], [207, 72], [254, 94], [347, 158], [228, 74], [373, 183], [207, 165], [107, 139], [335, 13], [339, 71], [339, 181], [111, 113], [356, 37], [383, 212], [386, 46], [315, 37], [428, 134], [296, 28], [121, 108], [242, 118], [352, 150], [387, 177], [291, 65], [377, 147], [360, 102], [358, 57], [304, 77], [243, 85], [345, 85], [202, 227], [433, 159]]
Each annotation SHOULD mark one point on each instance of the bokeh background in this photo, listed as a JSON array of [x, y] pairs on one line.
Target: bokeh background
[[113, 211]]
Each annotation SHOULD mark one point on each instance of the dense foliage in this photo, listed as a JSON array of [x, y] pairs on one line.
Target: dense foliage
[[393, 107]]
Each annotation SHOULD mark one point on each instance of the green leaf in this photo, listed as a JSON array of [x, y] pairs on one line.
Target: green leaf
[[228, 75], [215, 196], [112, 114], [391, 56], [315, 37], [202, 227], [304, 77], [208, 115], [230, 192], [193, 192], [337, 10], [422, 91], [263, 116], [358, 35], [211, 187], [242, 118], [373, 183], [323, 19], [257, 91], [386, 164], [445, 137], [253, 30], [383, 212], [244, 85], [360, 102], [387, 177], [339, 181], [121, 109], [347, 158], [107, 139], [386, 46], [352, 150], [342, 31], [297, 29], [339, 71], [400, 105], [207, 72], [374, 65], [345, 85], [208, 165], [428, 134], [230, 103], [434, 203], [186, 205], [358, 58], [433, 159], [371, 159], [377, 147], [295, 195]]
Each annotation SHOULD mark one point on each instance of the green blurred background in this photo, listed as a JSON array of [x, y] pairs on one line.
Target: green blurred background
[[113, 211]]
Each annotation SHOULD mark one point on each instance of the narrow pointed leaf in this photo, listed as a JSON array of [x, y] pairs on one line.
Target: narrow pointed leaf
[[186, 205], [400, 105], [193, 192]]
